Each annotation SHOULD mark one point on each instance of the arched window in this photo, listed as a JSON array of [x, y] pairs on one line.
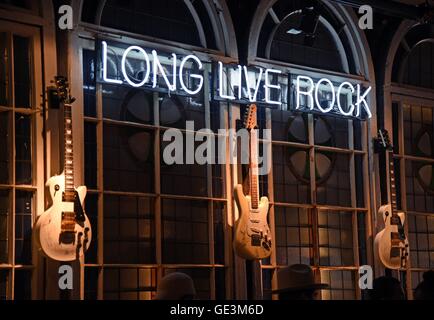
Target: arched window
[[412, 118], [189, 22], [414, 60], [305, 33], [320, 163], [157, 217]]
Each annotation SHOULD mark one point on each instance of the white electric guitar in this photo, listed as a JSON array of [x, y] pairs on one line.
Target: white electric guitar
[[252, 233], [391, 243], [63, 232]]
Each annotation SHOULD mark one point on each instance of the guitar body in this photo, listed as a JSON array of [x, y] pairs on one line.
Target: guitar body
[[252, 233], [392, 253], [48, 229]]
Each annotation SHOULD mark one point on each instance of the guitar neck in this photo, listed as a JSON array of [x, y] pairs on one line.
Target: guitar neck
[[253, 172], [68, 152], [392, 182]]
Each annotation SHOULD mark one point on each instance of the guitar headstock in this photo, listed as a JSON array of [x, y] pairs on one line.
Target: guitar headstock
[[383, 140], [250, 118], [62, 90]]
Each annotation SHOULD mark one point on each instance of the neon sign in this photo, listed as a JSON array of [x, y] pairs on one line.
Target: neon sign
[[135, 67]]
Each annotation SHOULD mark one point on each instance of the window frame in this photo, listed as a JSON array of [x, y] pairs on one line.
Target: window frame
[[37, 148], [410, 96], [83, 39]]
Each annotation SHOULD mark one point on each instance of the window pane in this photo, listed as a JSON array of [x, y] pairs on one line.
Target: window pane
[[4, 63], [129, 230], [89, 83], [126, 104], [289, 127], [4, 276], [421, 239], [5, 153], [331, 131], [22, 85], [291, 175], [23, 147], [22, 286], [4, 225], [131, 283], [91, 283], [128, 159], [90, 155], [419, 182], [361, 230], [418, 68], [267, 275], [360, 192], [342, 285], [185, 231], [176, 110], [219, 237], [321, 51], [192, 177], [23, 227], [333, 178], [335, 237], [418, 131], [148, 17], [293, 235], [220, 284], [91, 208]]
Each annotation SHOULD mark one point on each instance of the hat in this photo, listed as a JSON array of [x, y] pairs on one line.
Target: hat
[[175, 286], [297, 277]]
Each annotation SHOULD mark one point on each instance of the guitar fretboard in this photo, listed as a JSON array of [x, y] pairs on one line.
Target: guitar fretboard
[[69, 159], [254, 184], [393, 197]]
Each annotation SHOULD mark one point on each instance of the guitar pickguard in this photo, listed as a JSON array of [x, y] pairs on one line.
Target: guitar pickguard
[[78, 208]]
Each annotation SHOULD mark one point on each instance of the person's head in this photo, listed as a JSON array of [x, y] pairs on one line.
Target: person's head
[[386, 288], [176, 286], [297, 282], [425, 289]]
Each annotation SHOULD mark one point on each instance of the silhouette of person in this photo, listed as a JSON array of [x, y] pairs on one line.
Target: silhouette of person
[[386, 288], [176, 286], [297, 282], [425, 289]]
